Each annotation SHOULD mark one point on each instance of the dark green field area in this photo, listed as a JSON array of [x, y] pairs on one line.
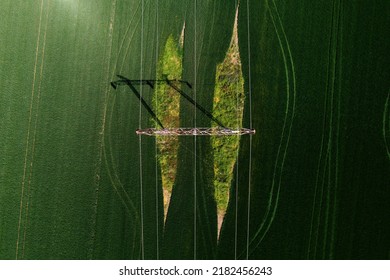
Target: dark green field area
[[76, 182]]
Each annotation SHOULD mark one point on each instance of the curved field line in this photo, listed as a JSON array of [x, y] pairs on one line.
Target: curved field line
[[110, 112], [135, 215], [28, 132], [35, 126], [33, 138], [106, 150], [328, 152], [287, 126], [106, 111], [108, 155], [116, 183], [102, 131], [332, 152], [123, 42]]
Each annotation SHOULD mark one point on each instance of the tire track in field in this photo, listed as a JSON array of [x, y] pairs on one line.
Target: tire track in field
[[106, 152], [289, 68], [102, 131], [324, 199], [32, 128], [134, 214]]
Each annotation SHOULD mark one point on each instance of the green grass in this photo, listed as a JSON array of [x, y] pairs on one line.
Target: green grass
[[228, 108], [166, 102]]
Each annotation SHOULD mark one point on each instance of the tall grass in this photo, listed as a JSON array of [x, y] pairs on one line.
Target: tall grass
[[228, 108]]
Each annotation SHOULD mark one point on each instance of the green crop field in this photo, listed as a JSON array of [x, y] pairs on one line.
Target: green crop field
[[311, 77]]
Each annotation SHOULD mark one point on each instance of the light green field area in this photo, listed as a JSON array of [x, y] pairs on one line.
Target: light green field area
[[76, 182], [227, 107]]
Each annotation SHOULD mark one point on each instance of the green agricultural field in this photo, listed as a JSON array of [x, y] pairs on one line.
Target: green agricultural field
[[311, 77]]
